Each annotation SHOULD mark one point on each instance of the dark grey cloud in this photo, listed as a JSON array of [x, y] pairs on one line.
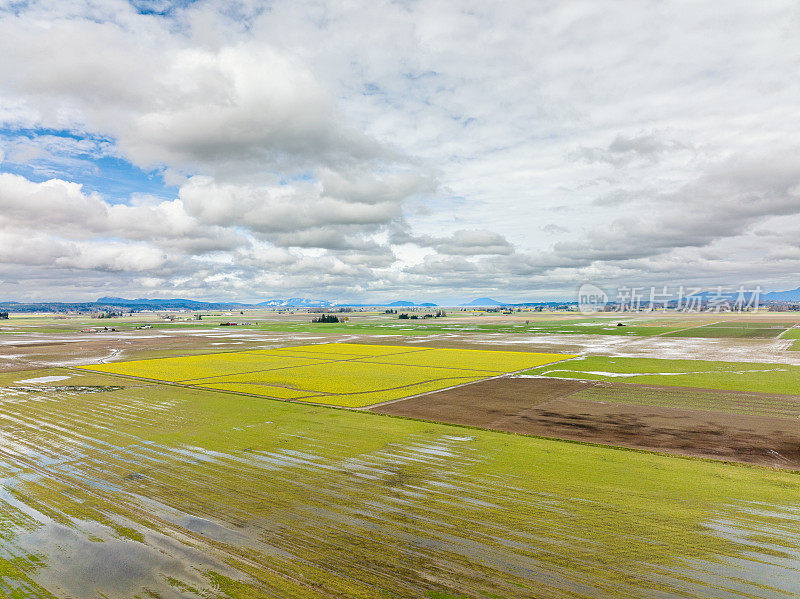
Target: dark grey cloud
[[623, 149]]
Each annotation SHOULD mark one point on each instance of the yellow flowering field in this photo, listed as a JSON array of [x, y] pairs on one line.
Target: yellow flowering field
[[188, 368], [340, 374], [471, 359]]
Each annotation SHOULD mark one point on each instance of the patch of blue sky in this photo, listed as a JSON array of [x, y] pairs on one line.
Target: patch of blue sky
[[14, 6], [303, 177], [42, 154], [241, 13], [371, 89], [159, 7]]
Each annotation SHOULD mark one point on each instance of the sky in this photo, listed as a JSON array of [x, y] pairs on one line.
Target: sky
[[379, 150]]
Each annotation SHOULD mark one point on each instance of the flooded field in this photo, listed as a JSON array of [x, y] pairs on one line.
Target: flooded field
[[118, 488], [114, 486]]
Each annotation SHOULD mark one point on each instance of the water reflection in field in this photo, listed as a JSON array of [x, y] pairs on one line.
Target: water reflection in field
[[144, 490]]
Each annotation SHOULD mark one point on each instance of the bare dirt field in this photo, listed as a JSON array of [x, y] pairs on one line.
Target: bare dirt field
[[548, 408]]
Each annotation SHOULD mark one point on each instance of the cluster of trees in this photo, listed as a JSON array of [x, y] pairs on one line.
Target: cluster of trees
[[4, 315], [326, 318], [108, 314], [773, 307], [404, 316]]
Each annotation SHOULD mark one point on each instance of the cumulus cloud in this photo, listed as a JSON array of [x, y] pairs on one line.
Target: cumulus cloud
[[236, 107], [269, 109], [279, 208], [463, 242], [473, 243], [63, 208], [553, 228], [724, 202]]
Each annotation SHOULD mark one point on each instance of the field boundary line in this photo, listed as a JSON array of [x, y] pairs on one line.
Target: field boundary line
[[407, 351], [196, 383], [663, 454], [430, 366], [298, 400], [355, 360], [316, 393], [332, 394], [205, 389], [793, 471], [699, 326], [787, 330], [499, 376], [320, 361], [600, 382]]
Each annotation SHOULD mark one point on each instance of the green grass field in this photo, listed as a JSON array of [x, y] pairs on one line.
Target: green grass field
[[349, 375], [457, 322], [777, 406], [793, 333], [737, 330], [733, 376], [191, 492]]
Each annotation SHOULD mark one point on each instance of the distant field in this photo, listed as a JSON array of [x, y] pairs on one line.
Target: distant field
[[456, 322], [734, 376], [736, 329], [341, 374], [756, 404]]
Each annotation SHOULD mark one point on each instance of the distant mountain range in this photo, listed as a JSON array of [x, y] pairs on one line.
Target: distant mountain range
[[139, 304], [792, 295], [109, 303], [166, 304], [484, 302], [400, 303], [295, 302]]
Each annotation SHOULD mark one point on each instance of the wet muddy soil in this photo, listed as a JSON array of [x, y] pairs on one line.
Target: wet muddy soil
[[548, 408]]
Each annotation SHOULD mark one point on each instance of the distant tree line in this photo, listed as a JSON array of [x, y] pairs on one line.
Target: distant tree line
[[326, 318], [404, 316]]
